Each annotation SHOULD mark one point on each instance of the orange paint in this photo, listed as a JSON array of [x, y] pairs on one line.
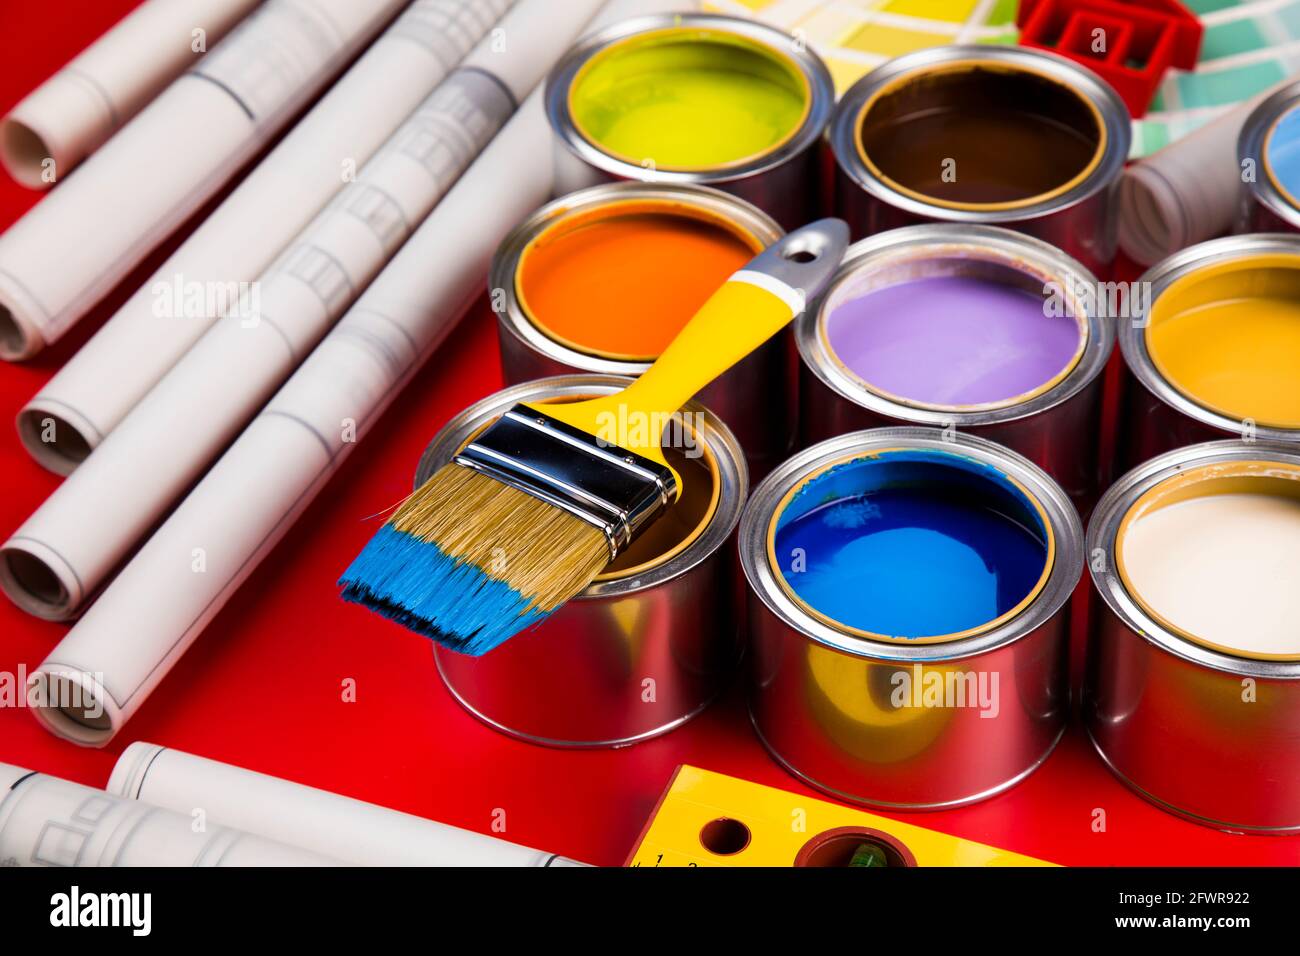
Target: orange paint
[[621, 281]]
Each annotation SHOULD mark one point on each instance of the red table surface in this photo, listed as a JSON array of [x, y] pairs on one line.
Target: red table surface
[[262, 687]]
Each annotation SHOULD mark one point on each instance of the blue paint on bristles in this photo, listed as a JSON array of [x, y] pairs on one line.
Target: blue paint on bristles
[[455, 602]]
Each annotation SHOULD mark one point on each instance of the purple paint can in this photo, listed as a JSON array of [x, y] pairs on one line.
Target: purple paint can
[[969, 328]]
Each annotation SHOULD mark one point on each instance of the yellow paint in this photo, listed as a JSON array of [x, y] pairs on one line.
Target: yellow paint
[[893, 41], [698, 797], [953, 11], [1228, 337]]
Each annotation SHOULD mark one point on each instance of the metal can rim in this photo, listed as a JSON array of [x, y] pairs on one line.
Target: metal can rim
[[733, 473], [1132, 338], [821, 102], [1062, 579], [817, 358], [1251, 143], [1104, 526], [1082, 81], [505, 262]]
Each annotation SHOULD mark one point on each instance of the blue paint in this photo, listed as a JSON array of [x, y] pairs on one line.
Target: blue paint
[[416, 584], [1282, 153], [911, 544]]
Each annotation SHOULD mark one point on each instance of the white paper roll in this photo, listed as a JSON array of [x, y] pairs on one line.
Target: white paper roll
[[1187, 192], [327, 823], [64, 552], [157, 606], [75, 111], [93, 392], [45, 821], [65, 254]]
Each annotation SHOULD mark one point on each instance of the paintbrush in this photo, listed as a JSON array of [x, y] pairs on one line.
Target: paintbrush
[[532, 509]]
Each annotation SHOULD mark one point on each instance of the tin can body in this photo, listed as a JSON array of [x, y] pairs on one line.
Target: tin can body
[[1268, 200], [1082, 220], [783, 181], [825, 702], [1056, 428], [630, 658], [1207, 735], [1156, 416]]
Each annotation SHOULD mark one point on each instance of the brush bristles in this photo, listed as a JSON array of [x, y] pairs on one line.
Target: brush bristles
[[470, 561]]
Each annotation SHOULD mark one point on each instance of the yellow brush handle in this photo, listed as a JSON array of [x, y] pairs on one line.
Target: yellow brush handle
[[749, 308], [736, 320]]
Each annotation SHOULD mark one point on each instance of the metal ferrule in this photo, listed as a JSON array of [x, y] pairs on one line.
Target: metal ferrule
[[1157, 417], [1083, 221], [1167, 714], [1265, 207], [584, 676], [613, 489]]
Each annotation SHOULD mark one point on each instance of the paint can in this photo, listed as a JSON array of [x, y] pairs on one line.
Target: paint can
[[1193, 682], [1268, 152], [1214, 353], [654, 639], [584, 286], [912, 143], [973, 328], [717, 101], [917, 657]]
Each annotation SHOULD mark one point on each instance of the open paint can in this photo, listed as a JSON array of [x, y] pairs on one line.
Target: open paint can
[[602, 281], [1214, 352], [655, 638], [1193, 687], [1006, 136], [1269, 153], [908, 624], [717, 101], [973, 328]]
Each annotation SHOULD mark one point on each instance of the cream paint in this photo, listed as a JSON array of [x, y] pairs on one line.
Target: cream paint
[[1224, 568]]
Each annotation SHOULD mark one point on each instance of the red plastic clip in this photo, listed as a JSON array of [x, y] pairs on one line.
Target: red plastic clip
[[1130, 44]]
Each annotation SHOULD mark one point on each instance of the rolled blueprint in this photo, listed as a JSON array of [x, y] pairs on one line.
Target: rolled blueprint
[[65, 254], [63, 553], [45, 821], [157, 606], [326, 823], [1187, 192], [128, 356], [75, 111]]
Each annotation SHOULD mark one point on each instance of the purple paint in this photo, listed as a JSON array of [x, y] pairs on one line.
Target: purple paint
[[952, 340]]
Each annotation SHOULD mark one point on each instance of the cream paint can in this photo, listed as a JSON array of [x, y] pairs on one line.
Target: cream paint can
[[655, 638], [1193, 683]]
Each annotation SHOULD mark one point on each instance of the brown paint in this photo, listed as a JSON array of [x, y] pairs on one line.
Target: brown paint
[[1016, 137]]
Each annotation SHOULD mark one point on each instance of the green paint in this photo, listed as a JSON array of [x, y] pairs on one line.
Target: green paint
[[688, 100]]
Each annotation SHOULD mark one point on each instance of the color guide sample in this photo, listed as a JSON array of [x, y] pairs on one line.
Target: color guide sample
[[1218, 558], [709, 819], [621, 281], [1282, 154], [953, 341], [688, 100], [1228, 337], [910, 545], [854, 36]]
